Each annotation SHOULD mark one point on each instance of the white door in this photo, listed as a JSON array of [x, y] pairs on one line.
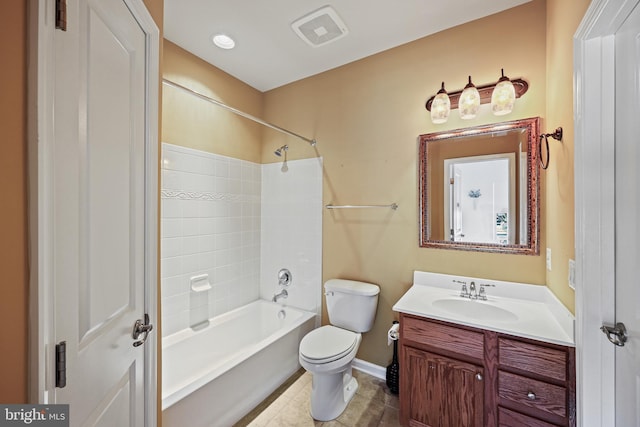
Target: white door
[[627, 182], [476, 197], [607, 81], [98, 185]]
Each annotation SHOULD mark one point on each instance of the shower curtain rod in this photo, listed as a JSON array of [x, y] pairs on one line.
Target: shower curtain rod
[[312, 142]]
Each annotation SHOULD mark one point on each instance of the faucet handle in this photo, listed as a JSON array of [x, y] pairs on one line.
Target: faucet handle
[[463, 291], [483, 291]]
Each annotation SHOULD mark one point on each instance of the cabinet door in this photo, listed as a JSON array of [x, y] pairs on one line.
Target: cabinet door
[[443, 392]]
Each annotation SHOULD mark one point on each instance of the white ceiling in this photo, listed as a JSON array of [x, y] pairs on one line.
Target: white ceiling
[[268, 53]]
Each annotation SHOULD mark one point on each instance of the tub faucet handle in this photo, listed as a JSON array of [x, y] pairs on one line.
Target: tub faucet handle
[[284, 277]]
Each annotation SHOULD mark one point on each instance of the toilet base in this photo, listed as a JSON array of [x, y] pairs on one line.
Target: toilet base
[[331, 393]]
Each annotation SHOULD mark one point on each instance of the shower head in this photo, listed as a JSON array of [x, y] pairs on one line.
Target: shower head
[[279, 151]]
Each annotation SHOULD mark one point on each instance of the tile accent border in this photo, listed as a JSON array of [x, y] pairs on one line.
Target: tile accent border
[[221, 197]]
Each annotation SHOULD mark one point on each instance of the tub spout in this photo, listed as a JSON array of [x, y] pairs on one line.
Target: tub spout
[[282, 294]]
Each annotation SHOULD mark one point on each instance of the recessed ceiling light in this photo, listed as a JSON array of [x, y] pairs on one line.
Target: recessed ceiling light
[[223, 41]]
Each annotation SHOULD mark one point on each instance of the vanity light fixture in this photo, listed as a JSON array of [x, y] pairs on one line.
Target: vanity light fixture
[[485, 92], [441, 106], [223, 41], [469, 101], [503, 97]]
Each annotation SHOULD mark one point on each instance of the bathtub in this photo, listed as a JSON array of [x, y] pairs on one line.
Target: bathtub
[[215, 375]]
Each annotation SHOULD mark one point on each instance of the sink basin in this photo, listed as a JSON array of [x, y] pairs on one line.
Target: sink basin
[[475, 309], [520, 309]]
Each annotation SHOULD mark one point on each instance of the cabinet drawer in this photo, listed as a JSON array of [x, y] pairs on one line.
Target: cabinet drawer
[[449, 338], [507, 418], [534, 394], [539, 360]]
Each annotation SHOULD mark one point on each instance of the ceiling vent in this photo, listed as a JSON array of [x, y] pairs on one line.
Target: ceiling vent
[[320, 27]]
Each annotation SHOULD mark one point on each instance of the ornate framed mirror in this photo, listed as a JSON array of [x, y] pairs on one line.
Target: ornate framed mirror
[[479, 188]]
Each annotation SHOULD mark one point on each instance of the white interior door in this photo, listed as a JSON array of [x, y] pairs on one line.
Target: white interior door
[[476, 189], [627, 182], [98, 189], [607, 201]]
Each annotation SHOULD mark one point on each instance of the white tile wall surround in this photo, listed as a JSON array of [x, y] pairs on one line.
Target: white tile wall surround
[[239, 222], [208, 203], [291, 234]]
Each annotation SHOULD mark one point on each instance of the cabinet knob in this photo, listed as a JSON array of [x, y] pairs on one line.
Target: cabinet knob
[[531, 395], [479, 377]]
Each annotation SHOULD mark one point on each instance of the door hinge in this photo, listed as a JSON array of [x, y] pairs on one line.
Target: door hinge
[[61, 15], [61, 364]]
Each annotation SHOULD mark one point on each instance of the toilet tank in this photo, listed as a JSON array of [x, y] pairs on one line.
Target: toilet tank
[[351, 304]]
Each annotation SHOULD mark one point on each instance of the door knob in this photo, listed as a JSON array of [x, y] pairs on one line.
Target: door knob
[[141, 327], [616, 334]]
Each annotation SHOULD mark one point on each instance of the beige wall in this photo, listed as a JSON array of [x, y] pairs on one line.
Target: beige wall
[[13, 215], [366, 117], [563, 18], [192, 122]]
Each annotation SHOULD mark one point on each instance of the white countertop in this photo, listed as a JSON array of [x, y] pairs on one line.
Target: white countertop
[[528, 311]]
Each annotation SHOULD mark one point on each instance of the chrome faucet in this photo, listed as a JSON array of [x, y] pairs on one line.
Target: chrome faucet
[[283, 294], [472, 291]]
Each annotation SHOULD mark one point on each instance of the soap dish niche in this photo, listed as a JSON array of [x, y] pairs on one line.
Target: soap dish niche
[[200, 283]]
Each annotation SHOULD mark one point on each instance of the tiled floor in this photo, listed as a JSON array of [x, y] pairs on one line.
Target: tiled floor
[[373, 405]]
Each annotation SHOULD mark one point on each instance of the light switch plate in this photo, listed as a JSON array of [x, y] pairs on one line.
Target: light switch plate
[[572, 274], [549, 259]]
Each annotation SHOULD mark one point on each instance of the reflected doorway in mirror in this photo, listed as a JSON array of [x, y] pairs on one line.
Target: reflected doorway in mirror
[[479, 194]]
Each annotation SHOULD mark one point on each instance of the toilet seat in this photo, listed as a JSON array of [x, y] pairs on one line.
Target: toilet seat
[[327, 344]]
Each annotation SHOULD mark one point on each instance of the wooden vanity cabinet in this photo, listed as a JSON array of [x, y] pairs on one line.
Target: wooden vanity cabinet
[[536, 383], [442, 374], [455, 396], [457, 376]]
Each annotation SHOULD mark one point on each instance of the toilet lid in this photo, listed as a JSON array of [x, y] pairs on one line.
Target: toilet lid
[[327, 343]]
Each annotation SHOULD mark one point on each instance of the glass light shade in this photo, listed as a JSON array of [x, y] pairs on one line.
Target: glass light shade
[[503, 97], [469, 102], [440, 107]]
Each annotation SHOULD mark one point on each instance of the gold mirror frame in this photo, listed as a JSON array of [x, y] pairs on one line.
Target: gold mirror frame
[[531, 127]]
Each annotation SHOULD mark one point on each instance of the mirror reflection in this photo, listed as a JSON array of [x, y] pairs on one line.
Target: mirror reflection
[[479, 188]]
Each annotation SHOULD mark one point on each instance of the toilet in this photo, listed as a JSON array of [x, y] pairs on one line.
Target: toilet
[[327, 352]]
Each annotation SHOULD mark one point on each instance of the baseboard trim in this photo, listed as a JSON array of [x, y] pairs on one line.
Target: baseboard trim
[[370, 368]]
